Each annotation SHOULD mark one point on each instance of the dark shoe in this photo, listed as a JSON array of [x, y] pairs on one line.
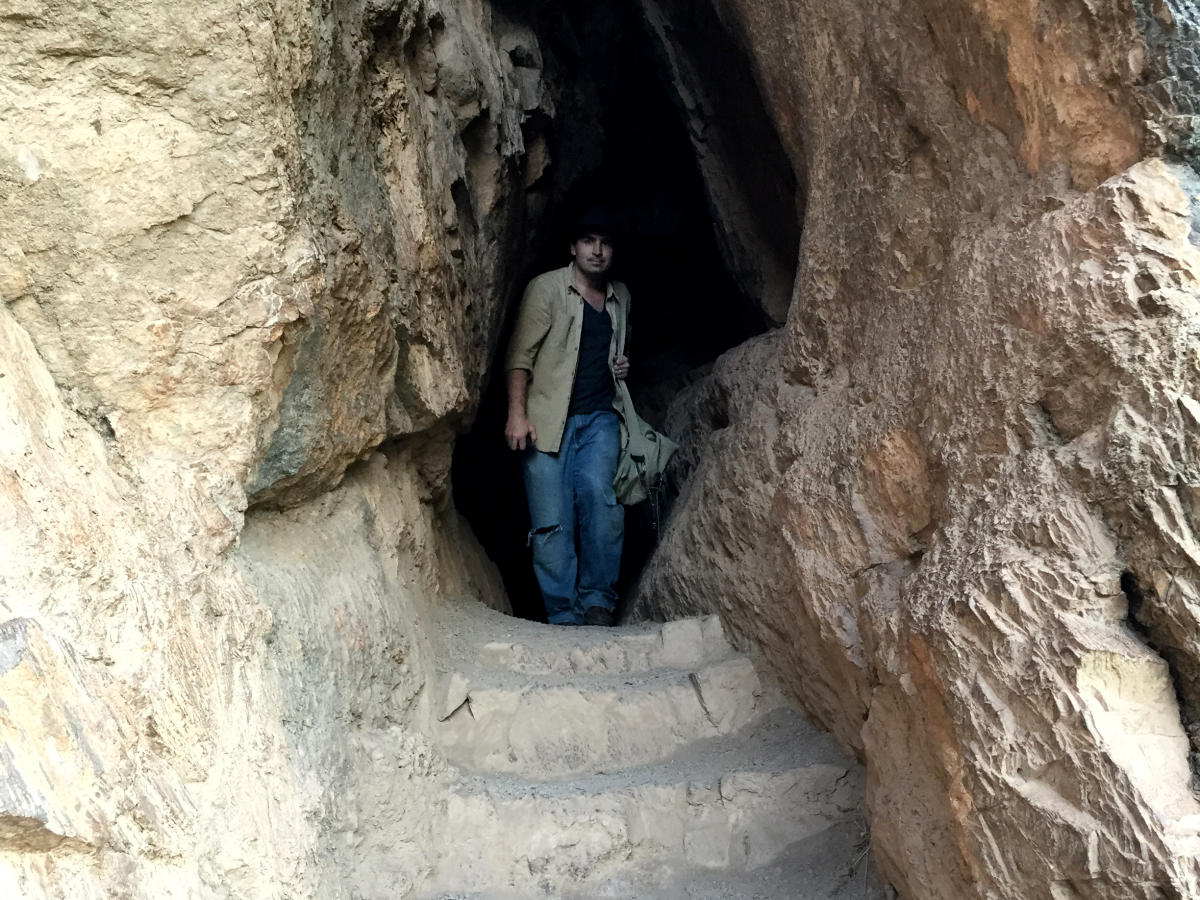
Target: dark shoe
[[598, 615]]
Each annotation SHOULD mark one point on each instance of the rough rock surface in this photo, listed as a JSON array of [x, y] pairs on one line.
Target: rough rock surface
[[646, 762], [952, 500], [223, 283], [252, 242], [253, 261]]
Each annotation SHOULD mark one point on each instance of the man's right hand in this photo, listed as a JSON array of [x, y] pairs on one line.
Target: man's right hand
[[517, 431]]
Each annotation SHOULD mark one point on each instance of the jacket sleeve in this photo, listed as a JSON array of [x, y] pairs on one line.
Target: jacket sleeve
[[533, 324]]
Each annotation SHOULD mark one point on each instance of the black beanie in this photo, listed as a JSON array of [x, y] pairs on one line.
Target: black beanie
[[596, 219]]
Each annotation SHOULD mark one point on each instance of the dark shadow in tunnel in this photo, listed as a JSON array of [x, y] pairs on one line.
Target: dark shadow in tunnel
[[686, 309]]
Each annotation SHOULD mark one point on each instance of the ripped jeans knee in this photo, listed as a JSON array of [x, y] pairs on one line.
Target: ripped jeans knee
[[541, 532]]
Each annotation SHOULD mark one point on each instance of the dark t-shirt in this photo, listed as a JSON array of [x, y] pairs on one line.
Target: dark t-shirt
[[594, 389]]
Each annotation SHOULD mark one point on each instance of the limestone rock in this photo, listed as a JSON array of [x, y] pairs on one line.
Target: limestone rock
[[86, 792], [947, 500], [250, 246], [197, 315]]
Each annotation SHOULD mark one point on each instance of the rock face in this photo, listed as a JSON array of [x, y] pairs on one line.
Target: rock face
[[254, 261], [241, 247], [951, 499], [247, 253]]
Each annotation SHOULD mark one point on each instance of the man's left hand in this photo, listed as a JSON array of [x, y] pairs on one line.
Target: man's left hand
[[621, 366]]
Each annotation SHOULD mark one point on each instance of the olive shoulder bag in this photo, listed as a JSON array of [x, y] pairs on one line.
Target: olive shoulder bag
[[644, 451]]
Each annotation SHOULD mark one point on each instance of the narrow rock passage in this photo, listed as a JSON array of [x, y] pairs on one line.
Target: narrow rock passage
[[643, 761]]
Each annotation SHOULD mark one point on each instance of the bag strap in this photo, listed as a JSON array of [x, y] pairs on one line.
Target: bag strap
[[638, 446], [624, 325], [633, 426], [637, 439]]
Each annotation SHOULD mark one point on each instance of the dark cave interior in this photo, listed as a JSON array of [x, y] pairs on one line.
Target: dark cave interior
[[687, 309]]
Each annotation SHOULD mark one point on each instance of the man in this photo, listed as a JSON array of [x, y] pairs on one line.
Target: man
[[562, 368]]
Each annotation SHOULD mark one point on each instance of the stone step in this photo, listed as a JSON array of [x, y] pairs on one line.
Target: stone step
[[834, 864], [558, 726], [730, 804], [491, 640]]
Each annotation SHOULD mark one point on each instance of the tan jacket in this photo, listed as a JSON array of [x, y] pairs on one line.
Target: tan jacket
[[546, 343]]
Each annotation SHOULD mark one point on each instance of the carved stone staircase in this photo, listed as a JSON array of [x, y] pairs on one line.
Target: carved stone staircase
[[642, 761]]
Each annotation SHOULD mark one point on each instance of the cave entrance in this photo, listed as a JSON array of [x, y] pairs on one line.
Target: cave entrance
[[628, 142]]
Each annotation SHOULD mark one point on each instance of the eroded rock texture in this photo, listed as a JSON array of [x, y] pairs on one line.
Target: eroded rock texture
[[242, 247], [952, 498]]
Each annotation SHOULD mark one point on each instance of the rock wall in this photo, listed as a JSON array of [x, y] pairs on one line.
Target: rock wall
[[951, 500], [253, 260], [755, 181]]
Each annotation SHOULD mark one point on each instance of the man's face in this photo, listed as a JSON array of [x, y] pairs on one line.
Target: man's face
[[593, 254]]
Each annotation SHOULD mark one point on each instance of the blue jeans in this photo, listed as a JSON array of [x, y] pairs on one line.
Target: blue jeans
[[572, 490]]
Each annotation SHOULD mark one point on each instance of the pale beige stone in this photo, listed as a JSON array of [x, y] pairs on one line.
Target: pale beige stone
[[919, 494]]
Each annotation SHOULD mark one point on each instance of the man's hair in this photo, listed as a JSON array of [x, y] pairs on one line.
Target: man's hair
[[596, 219]]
